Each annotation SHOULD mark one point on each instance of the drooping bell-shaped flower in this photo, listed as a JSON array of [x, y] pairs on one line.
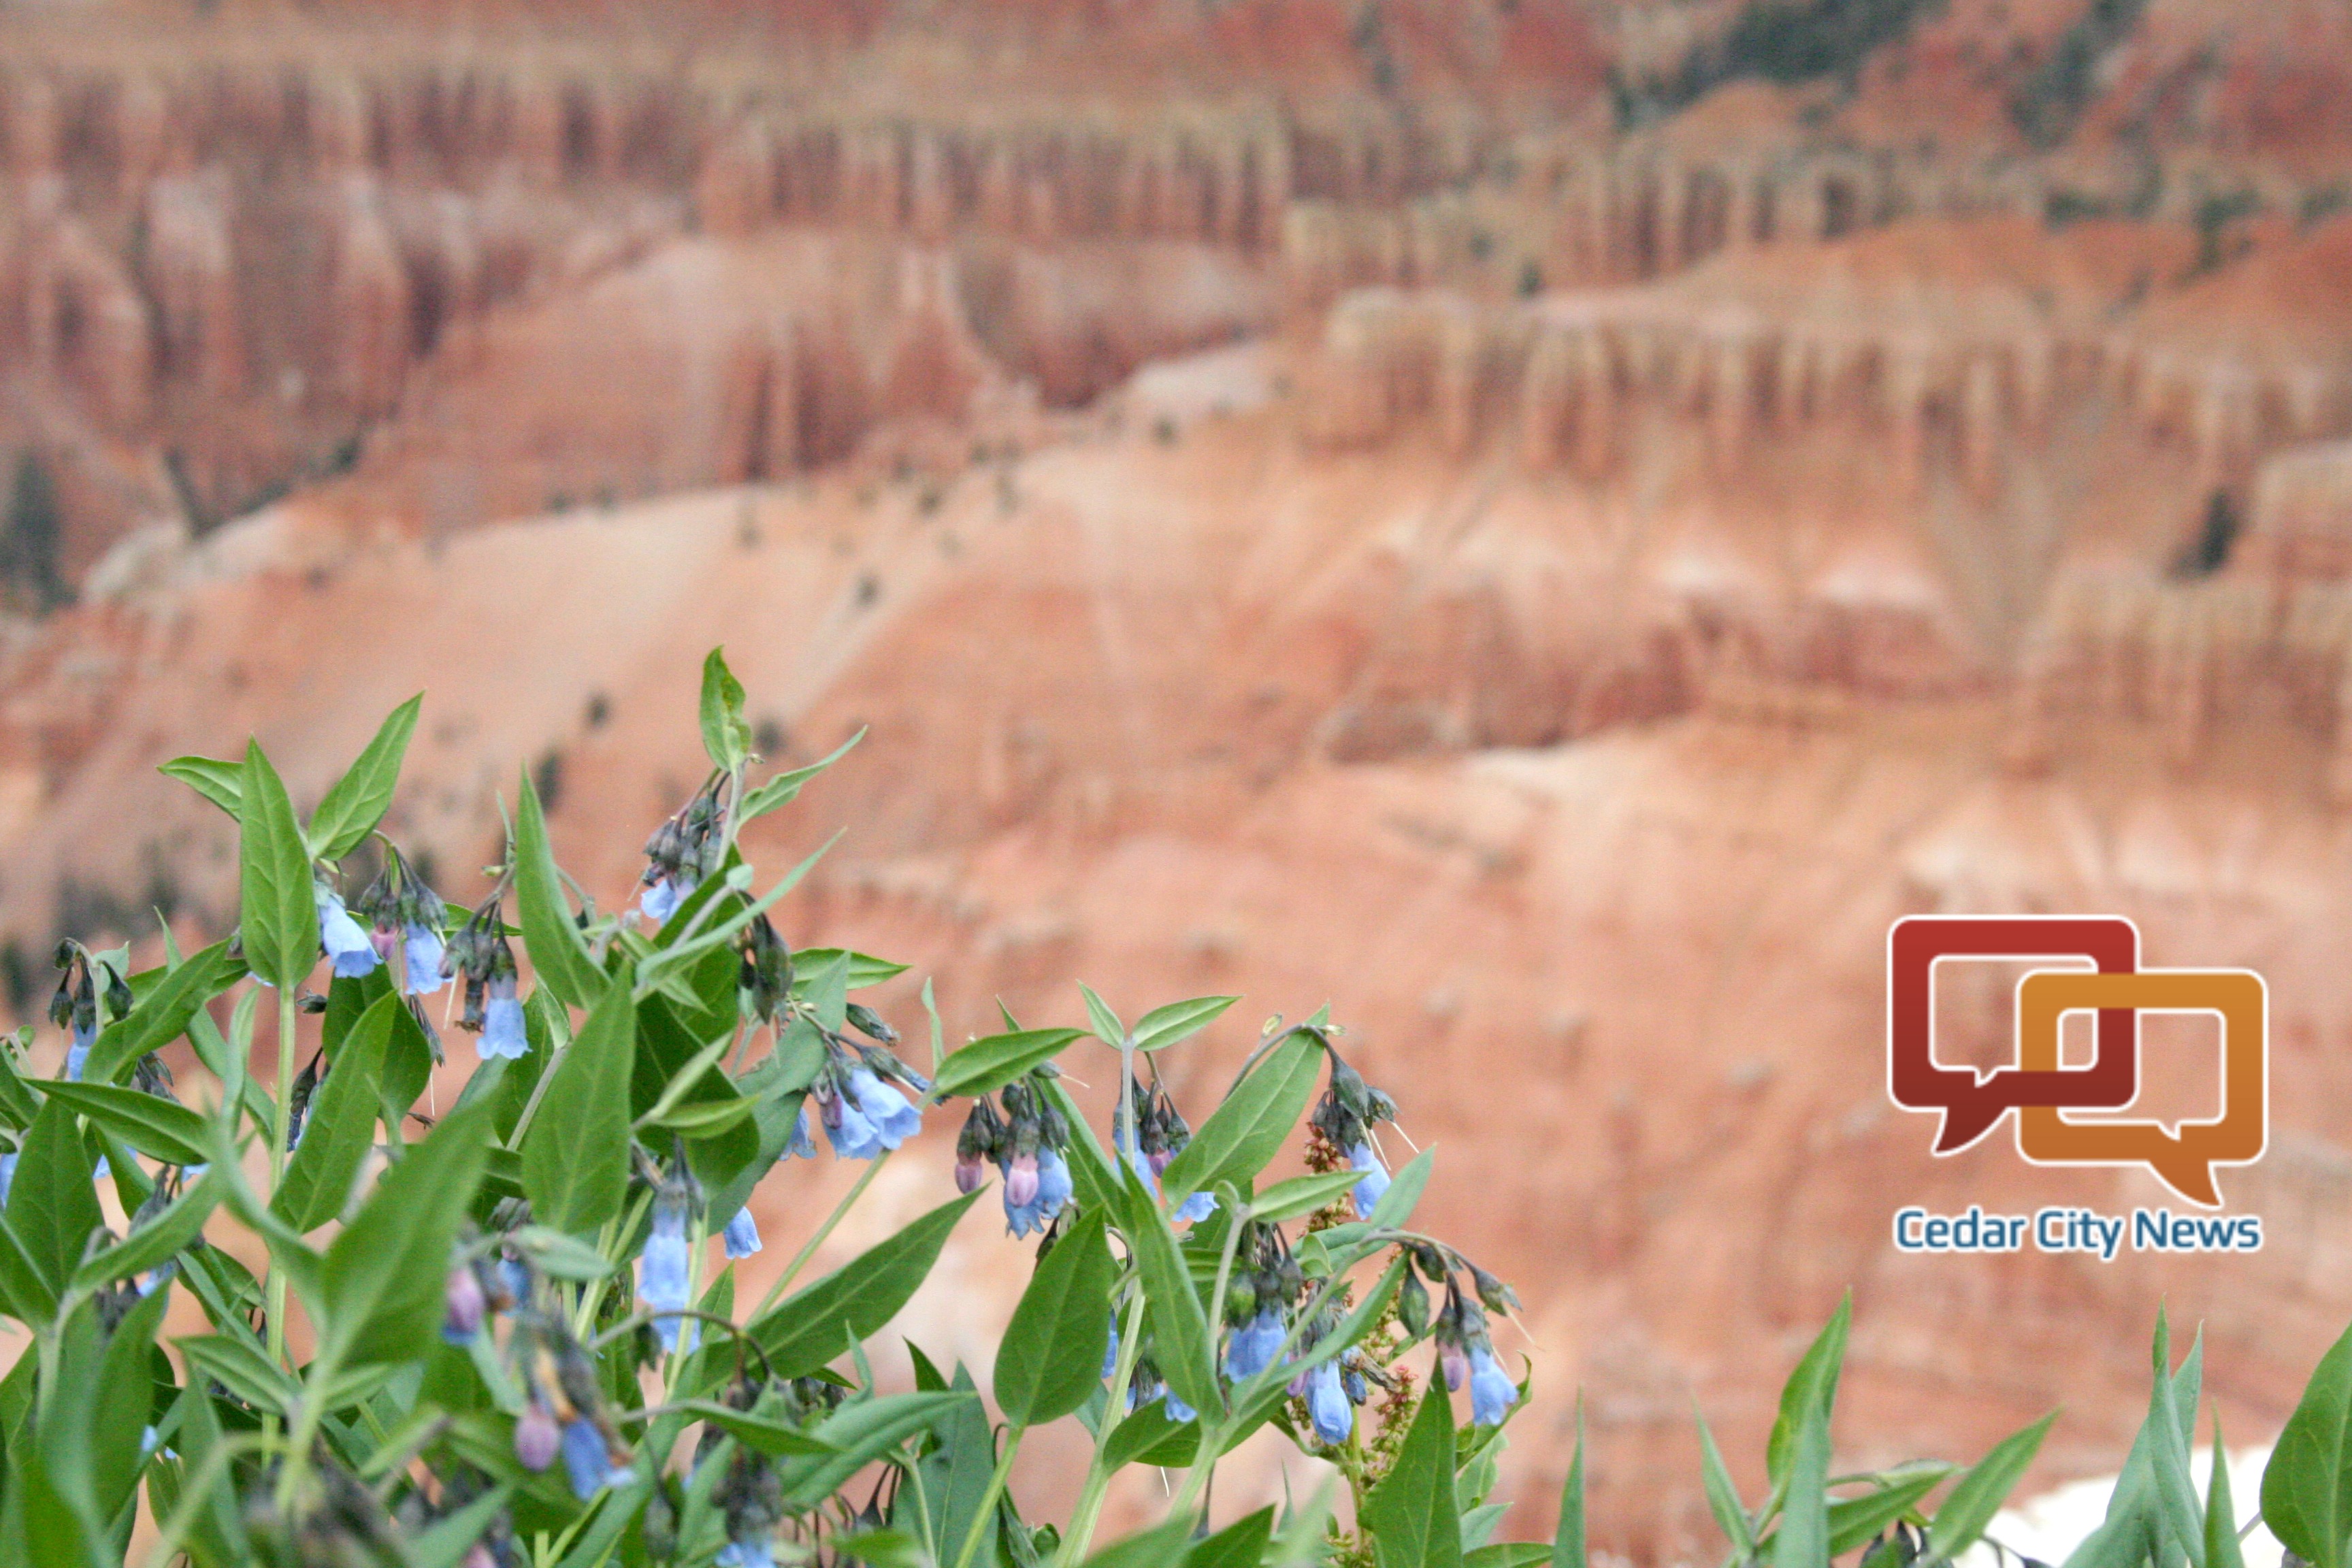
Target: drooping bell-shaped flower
[[588, 1460], [536, 1437], [1020, 1181], [1192, 1210], [1110, 1350], [344, 939], [463, 1305], [1045, 1176], [1455, 1363], [1178, 1411], [742, 1235], [422, 950], [662, 1268], [968, 1173], [804, 1144], [894, 1118], [78, 1053], [1253, 1346], [660, 899], [1491, 1391], [1326, 1404], [502, 1027], [752, 1552], [1375, 1180], [847, 1130], [7, 1175]]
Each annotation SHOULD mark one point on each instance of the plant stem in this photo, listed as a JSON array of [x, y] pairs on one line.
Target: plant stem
[[280, 1118], [801, 1257], [1098, 1482], [987, 1514]]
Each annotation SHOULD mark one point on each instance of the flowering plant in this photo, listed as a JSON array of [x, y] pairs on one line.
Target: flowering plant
[[497, 1336]]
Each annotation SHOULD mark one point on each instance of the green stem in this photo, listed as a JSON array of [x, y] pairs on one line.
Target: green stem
[[307, 1416], [280, 1114], [986, 1517], [1088, 1511], [791, 1270]]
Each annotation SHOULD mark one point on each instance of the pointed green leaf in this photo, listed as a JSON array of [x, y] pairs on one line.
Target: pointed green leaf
[[148, 1245], [770, 1435], [154, 1126], [859, 1433], [783, 788], [221, 782], [1051, 1356], [1107, 1025], [1241, 1544], [575, 1157], [1814, 1381], [1857, 1519], [1979, 1495], [341, 1125], [1567, 1547], [161, 1014], [1412, 1512], [2307, 1485], [725, 734], [1302, 1196], [2221, 1546], [1161, 1546], [813, 1326], [1172, 1306], [1251, 1125], [386, 1272], [1164, 1026], [1396, 1205], [277, 912], [355, 802], [1722, 1495], [550, 931], [987, 1065], [1803, 1539], [52, 1202]]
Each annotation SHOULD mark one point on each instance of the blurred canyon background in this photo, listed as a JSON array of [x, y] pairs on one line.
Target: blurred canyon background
[[1545, 524]]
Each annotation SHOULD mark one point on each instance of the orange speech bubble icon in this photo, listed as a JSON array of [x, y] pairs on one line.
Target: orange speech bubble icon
[[2184, 1162]]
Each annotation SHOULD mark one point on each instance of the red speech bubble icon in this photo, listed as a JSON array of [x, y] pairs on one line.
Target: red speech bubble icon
[[1972, 1103]]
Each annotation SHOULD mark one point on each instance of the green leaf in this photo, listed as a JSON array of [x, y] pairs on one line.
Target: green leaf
[[781, 790], [1976, 1496], [990, 1063], [2221, 1547], [1241, 1544], [1803, 1539], [221, 782], [2176, 1489], [1412, 1512], [1150, 1436], [2307, 1485], [342, 1128], [725, 735], [1722, 1495], [770, 1435], [558, 951], [1302, 1196], [240, 1368], [1251, 1125], [810, 1326], [1162, 1546], [859, 1433], [386, 1272], [278, 910], [575, 1157], [1107, 1028], [52, 1204], [1172, 1306], [25, 1292], [561, 1256], [355, 802], [1857, 1519], [1814, 1382], [161, 1014], [154, 1126], [148, 1245], [1509, 1554], [445, 1542], [1567, 1547], [1051, 1356], [704, 1119], [859, 970], [1164, 1026]]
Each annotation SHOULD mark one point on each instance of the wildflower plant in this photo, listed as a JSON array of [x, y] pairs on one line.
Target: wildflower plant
[[497, 1334]]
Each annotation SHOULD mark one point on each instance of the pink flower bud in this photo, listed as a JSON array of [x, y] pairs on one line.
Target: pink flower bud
[[1159, 1160], [1020, 1181], [1456, 1363], [536, 1437], [968, 1172], [481, 1557], [463, 1302]]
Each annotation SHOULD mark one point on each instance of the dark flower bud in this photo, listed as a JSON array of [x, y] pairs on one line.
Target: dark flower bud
[[1412, 1305], [310, 1003], [767, 970], [868, 1023], [1498, 1296], [118, 992]]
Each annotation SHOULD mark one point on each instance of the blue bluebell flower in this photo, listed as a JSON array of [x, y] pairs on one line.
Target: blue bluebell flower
[[660, 899], [847, 1130], [804, 1143], [1110, 1350], [1491, 1391], [1192, 1210], [78, 1054], [1326, 1404], [464, 1303], [752, 1552], [422, 950], [1178, 1411], [502, 1028], [7, 1174], [662, 1268], [344, 939], [1252, 1347], [588, 1460], [1375, 1180], [1045, 1177], [895, 1120], [742, 1236]]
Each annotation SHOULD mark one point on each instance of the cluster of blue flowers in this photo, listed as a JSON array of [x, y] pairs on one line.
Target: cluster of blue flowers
[[1465, 1353], [484, 966], [678, 853], [563, 1410], [1026, 1142], [1345, 1116], [1156, 1132]]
